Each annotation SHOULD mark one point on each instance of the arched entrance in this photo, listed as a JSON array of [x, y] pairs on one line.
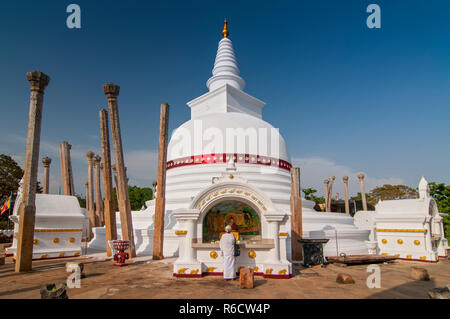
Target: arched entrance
[[241, 216]]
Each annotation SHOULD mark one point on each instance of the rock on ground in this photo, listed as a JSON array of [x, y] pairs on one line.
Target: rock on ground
[[344, 279], [419, 274]]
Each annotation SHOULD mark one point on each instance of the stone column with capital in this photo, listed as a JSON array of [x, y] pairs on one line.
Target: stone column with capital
[[112, 91], [87, 195], [158, 233], [91, 209], [363, 192], [46, 162], [113, 167], [66, 168], [330, 192], [325, 195], [27, 210], [296, 216], [109, 207], [98, 192], [347, 206]]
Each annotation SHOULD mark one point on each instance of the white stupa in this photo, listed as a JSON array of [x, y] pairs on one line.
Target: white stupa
[[227, 162]]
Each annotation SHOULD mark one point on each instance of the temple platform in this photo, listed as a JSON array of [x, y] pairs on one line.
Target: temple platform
[[147, 279]]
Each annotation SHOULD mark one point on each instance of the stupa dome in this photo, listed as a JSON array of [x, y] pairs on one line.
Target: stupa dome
[[212, 134]]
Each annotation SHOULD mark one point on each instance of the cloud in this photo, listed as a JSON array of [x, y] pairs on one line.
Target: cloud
[[141, 167], [314, 170]]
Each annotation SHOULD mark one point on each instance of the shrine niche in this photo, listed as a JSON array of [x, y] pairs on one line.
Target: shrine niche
[[242, 218]]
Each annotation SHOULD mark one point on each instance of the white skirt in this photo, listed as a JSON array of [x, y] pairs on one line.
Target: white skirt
[[229, 267]]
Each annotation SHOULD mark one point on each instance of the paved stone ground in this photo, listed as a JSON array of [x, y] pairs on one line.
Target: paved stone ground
[[144, 278]]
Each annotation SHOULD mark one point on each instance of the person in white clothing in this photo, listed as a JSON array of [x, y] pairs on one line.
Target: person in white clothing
[[227, 243]]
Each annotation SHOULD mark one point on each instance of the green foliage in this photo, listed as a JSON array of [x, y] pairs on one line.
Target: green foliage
[[390, 192], [81, 201], [10, 175], [138, 196], [309, 194], [369, 198], [441, 194]]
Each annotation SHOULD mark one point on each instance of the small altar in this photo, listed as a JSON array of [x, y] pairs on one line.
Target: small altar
[[256, 223]]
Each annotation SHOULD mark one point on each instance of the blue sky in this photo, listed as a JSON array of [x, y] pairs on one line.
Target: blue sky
[[346, 98]]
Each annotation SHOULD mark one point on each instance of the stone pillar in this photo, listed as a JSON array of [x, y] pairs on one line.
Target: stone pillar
[[66, 168], [112, 91], [330, 192], [154, 190], [115, 178], [109, 207], [87, 195], [158, 233], [296, 216], [98, 192], [91, 209], [325, 195], [363, 192], [46, 162], [347, 206], [27, 209]]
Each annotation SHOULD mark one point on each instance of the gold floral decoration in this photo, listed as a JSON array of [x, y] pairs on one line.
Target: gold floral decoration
[[252, 254], [213, 254]]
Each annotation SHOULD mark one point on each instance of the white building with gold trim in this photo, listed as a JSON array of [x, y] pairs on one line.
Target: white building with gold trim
[[411, 229]]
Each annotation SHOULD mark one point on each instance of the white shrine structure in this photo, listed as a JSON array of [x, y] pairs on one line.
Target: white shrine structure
[[60, 225], [411, 229], [226, 165]]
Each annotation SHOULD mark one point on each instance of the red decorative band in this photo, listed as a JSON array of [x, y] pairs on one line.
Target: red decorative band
[[188, 275], [225, 158], [421, 260], [287, 276]]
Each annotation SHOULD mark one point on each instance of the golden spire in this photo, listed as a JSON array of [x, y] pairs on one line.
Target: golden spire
[[225, 31]]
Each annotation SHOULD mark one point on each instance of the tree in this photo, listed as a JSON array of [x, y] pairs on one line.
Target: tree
[[81, 201], [369, 198], [138, 196], [309, 195], [391, 192], [441, 194], [10, 175]]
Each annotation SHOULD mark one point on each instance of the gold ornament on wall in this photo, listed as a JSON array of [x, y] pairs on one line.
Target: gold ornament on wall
[[213, 254], [71, 240], [252, 254], [56, 240], [399, 241], [384, 241], [417, 242], [182, 270], [35, 241]]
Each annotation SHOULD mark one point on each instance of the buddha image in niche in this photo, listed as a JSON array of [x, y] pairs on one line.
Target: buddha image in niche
[[240, 217]]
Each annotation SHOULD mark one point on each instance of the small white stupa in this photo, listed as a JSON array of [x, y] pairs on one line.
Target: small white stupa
[[411, 229]]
